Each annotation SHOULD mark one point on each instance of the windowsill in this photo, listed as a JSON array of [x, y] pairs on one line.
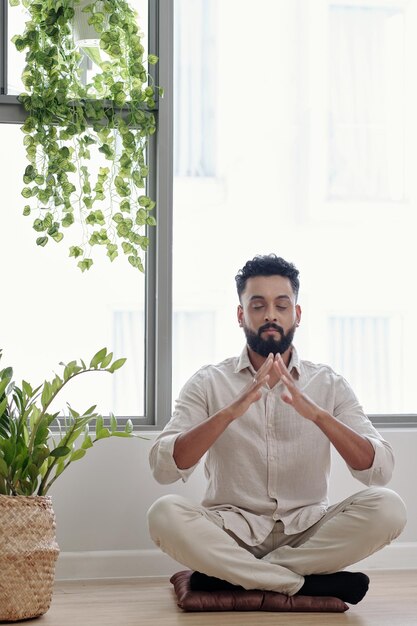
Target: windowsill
[[397, 422], [11, 111]]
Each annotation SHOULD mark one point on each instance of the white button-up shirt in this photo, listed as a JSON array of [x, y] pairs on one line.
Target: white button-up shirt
[[271, 463]]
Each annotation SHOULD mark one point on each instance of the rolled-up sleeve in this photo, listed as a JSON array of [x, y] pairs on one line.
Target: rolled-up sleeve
[[380, 473], [161, 460], [190, 410], [350, 412]]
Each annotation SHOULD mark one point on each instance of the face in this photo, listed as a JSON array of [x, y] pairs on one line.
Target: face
[[269, 314]]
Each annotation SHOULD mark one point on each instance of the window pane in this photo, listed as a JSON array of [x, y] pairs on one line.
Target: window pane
[[366, 135], [51, 312], [271, 94], [194, 76]]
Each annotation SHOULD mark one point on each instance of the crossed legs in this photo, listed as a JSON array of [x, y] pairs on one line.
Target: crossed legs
[[349, 532]]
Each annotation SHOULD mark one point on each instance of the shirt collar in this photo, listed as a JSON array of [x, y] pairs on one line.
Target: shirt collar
[[244, 362]]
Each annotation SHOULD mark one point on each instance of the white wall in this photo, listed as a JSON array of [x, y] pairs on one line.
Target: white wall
[[101, 503]]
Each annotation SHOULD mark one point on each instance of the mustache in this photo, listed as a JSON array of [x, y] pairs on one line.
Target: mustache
[[271, 325]]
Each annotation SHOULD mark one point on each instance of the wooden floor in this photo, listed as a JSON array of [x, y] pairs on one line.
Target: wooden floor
[[391, 601]]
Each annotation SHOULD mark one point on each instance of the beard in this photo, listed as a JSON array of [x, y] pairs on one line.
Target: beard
[[264, 347]]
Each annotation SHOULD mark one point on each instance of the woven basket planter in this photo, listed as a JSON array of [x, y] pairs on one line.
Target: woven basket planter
[[28, 552]]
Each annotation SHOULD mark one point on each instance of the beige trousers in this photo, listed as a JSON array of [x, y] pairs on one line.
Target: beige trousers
[[348, 532]]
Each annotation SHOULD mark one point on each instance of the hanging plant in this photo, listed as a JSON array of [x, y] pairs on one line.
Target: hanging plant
[[86, 139]]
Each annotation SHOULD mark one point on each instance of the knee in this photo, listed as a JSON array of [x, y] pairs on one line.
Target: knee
[[390, 512], [161, 515]]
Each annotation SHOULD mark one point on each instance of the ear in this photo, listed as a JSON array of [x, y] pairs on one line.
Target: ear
[[298, 314], [240, 317]]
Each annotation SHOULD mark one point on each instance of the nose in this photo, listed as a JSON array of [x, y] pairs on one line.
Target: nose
[[270, 314]]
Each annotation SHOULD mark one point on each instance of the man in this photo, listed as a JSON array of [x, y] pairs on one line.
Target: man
[[267, 421]]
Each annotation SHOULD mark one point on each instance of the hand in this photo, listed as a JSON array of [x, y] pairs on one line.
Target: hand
[[304, 405], [250, 393]]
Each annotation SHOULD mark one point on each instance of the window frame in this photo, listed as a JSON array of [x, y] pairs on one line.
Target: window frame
[[159, 258]]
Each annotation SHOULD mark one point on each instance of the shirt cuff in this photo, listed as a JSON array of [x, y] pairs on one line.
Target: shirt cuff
[[165, 468], [380, 472]]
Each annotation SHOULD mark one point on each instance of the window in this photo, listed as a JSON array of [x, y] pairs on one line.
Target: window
[[315, 145]]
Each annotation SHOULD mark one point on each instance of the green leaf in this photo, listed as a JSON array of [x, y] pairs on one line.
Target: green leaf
[[113, 423], [9, 450], [85, 264], [42, 435], [94, 55], [98, 358], [136, 262], [3, 384], [99, 425], [68, 221], [6, 373], [60, 452], [87, 443], [106, 360], [3, 405], [103, 433], [46, 393], [39, 455], [60, 466], [78, 454], [144, 201], [116, 365], [75, 251], [4, 470], [27, 388]]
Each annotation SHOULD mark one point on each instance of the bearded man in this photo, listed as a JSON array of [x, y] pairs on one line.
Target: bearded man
[[266, 421]]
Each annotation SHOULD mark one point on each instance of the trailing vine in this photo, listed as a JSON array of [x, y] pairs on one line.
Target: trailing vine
[[86, 141]]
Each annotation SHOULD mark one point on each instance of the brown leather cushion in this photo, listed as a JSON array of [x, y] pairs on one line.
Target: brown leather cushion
[[254, 600]]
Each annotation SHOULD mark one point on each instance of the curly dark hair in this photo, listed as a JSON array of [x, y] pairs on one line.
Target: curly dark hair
[[267, 265]]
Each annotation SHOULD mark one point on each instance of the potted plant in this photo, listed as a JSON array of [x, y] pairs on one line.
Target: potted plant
[[32, 457], [86, 138]]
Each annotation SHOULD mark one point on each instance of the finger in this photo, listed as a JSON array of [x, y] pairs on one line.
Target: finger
[[287, 397], [259, 381], [287, 381], [253, 391], [263, 370], [279, 369], [257, 396], [266, 365], [281, 364]]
